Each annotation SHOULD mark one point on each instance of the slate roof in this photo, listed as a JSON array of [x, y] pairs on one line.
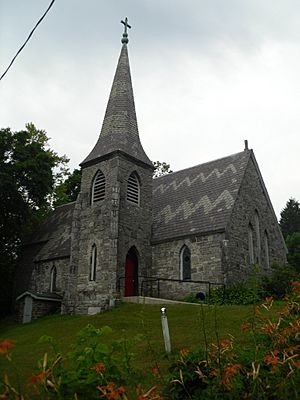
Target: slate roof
[[41, 296], [55, 232], [198, 199], [191, 201], [119, 130]]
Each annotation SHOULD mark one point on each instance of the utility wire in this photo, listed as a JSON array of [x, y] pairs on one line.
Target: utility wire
[[31, 33]]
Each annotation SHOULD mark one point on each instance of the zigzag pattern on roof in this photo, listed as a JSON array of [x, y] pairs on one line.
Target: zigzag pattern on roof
[[187, 208], [215, 172]]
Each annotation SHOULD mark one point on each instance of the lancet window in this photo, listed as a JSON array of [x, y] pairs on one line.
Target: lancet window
[[133, 189], [257, 234], [98, 187], [185, 263], [93, 263], [53, 275], [250, 244]]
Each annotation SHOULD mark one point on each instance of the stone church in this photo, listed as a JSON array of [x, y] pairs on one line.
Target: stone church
[[128, 234]]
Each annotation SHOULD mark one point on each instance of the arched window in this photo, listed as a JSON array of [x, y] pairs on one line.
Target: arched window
[[267, 257], [133, 189], [93, 263], [257, 234], [53, 274], [185, 263], [98, 187], [250, 244]]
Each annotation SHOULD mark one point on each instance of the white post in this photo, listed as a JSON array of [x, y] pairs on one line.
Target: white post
[[165, 329]]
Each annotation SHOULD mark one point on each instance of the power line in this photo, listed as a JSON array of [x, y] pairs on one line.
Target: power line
[[31, 33]]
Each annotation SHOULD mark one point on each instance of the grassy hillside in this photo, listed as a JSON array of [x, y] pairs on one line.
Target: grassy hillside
[[189, 325]]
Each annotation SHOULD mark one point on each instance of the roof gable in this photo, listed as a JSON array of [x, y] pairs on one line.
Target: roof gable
[[55, 232], [197, 199]]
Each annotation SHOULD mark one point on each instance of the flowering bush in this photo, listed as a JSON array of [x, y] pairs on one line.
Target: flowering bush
[[92, 370], [271, 370]]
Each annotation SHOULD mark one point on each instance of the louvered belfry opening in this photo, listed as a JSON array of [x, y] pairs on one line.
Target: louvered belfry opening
[[133, 189], [98, 190]]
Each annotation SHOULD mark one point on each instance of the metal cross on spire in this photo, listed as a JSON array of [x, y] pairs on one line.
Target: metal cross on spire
[[125, 34]]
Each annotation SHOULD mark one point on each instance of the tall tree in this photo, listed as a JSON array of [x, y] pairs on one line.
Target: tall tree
[[27, 178], [293, 246], [67, 190], [290, 218], [161, 168]]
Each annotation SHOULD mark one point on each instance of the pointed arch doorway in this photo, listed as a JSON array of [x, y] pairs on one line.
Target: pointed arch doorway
[[131, 273]]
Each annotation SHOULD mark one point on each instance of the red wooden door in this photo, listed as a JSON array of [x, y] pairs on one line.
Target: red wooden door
[[130, 277]]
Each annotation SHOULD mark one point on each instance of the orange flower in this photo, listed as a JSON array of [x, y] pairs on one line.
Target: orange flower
[[245, 326], [230, 372], [154, 371], [296, 284], [98, 368], [121, 390], [272, 359], [111, 392], [296, 288], [38, 378], [291, 349], [6, 345], [184, 351], [110, 386]]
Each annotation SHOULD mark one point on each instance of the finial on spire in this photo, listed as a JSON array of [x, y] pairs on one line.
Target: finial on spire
[[125, 34]]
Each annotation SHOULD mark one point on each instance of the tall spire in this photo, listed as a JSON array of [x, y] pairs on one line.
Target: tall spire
[[119, 131]]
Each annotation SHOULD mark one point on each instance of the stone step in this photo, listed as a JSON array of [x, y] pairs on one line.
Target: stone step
[[154, 300]]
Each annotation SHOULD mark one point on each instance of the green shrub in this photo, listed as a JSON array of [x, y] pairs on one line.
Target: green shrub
[[278, 283], [239, 293], [191, 298], [91, 367], [224, 371], [247, 292]]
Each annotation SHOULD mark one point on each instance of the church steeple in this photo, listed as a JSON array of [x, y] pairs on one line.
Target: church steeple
[[119, 131]]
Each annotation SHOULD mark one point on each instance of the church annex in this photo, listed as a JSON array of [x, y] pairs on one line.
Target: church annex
[[128, 234]]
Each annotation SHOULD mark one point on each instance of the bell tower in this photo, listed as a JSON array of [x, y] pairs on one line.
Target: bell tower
[[111, 231]]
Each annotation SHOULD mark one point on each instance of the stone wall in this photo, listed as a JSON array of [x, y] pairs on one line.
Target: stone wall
[[113, 225], [134, 229], [93, 224], [41, 276], [252, 207], [40, 308], [206, 264]]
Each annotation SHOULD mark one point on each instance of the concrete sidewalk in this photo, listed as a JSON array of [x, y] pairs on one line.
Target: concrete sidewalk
[[154, 300]]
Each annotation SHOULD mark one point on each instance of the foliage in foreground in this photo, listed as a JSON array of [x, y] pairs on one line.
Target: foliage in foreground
[[92, 370], [270, 369]]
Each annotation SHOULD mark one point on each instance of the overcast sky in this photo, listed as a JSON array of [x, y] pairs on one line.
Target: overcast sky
[[207, 74]]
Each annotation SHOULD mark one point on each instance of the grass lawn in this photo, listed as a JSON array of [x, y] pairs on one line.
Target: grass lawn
[[187, 324]]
